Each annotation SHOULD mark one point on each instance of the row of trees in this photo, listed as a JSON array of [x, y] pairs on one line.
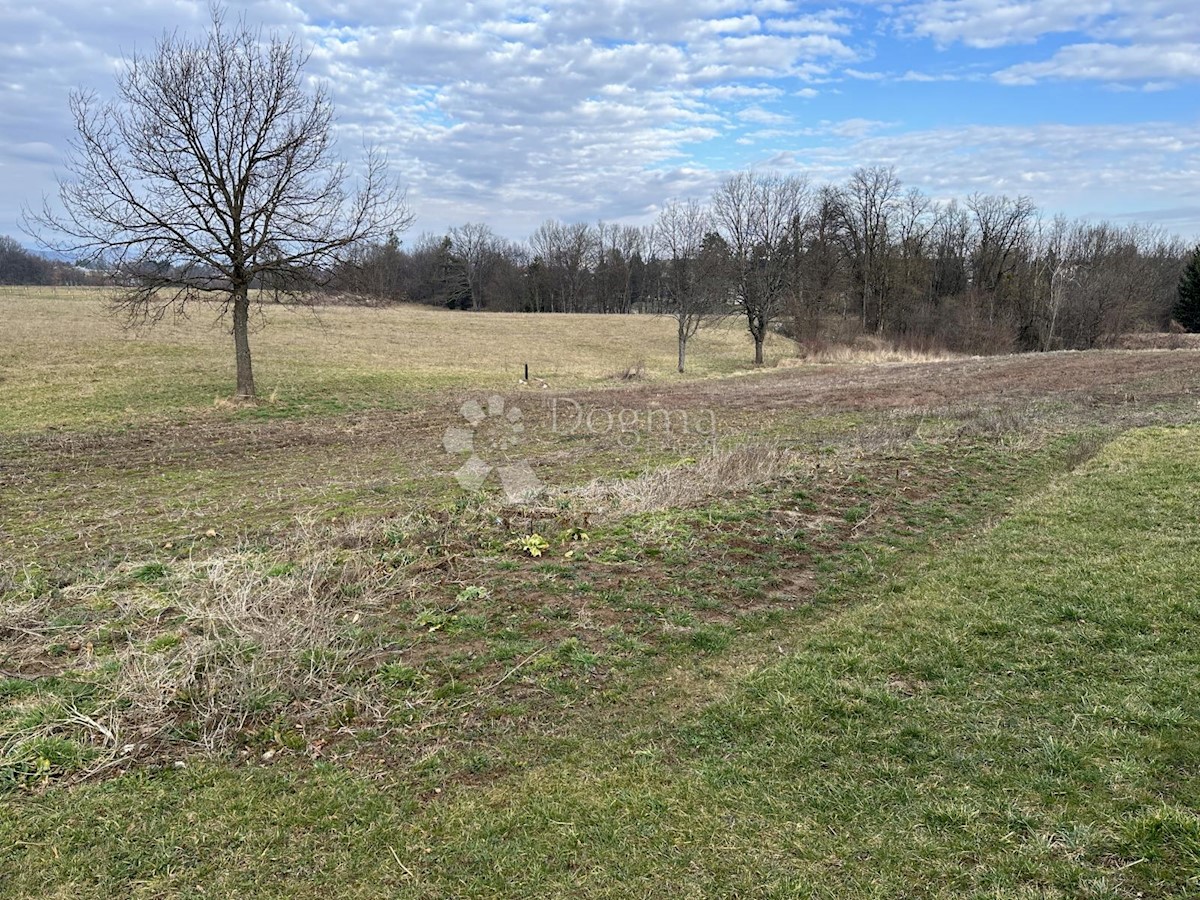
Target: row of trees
[[989, 273], [211, 176], [21, 266]]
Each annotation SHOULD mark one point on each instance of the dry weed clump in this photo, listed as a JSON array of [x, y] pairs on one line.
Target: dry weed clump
[[234, 647], [635, 371], [721, 472], [257, 644], [866, 350]]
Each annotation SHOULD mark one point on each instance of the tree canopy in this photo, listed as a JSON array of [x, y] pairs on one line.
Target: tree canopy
[[1187, 307]]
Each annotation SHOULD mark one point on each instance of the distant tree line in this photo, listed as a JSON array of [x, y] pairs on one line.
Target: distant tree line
[[984, 274], [21, 266]]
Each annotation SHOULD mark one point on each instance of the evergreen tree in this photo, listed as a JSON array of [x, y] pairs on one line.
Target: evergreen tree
[[1187, 307]]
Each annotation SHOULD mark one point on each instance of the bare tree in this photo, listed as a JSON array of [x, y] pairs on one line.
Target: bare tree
[[951, 240], [212, 175], [19, 266], [510, 278], [619, 252], [1005, 235], [1120, 277], [479, 248], [912, 269], [868, 205], [568, 254], [817, 271], [1055, 269], [691, 269], [375, 272], [759, 216]]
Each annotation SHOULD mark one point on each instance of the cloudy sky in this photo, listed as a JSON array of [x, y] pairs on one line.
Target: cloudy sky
[[511, 113]]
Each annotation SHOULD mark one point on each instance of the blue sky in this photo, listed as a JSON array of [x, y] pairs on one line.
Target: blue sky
[[511, 113]]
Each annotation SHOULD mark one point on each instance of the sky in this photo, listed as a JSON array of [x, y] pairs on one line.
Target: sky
[[582, 110]]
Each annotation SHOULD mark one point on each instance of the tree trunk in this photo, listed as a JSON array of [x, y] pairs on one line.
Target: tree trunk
[[682, 351], [758, 350], [241, 342]]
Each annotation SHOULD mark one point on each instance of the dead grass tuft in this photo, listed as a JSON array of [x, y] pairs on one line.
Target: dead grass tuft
[[684, 485], [234, 648], [633, 372], [258, 643], [866, 350]]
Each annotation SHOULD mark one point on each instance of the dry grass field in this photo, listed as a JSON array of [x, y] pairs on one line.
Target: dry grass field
[[833, 629], [66, 362]]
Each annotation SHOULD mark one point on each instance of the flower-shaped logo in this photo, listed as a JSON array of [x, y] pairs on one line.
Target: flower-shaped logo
[[490, 434]]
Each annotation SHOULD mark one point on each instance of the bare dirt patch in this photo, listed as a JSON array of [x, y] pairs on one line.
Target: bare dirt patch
[[934, 384]]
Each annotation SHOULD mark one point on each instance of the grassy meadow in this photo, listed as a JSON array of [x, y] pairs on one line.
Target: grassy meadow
[[876, 627], [67, 363]]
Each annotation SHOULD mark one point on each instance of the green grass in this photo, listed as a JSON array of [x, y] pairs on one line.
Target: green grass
[[1014, 716], [827, 681]]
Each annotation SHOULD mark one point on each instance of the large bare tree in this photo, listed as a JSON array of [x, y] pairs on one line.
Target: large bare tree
[[692, 269], [620, 251], [212, 175], [1004, 234], [568, 255], [761, 217], [479, 249]]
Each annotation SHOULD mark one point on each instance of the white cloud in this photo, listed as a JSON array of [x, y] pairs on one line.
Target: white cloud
[[830, 21], [860, 75], [847, 128], [1110, 62], [1093, 170], [731, 25], [927, 78], [511, 111], [760, 116], [1114, 40], [994, 23], [743, 91]]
